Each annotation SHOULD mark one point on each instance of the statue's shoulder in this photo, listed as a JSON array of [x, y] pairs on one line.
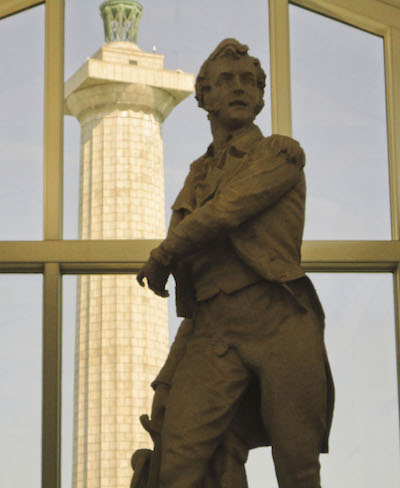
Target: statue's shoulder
[[198, 163], [197, 168], [281, 144], [279, 140]]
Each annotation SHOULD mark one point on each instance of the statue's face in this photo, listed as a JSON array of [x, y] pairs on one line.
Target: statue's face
[[234, 94]]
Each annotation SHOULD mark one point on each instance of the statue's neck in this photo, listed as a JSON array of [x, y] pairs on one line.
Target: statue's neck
[[221, 134]]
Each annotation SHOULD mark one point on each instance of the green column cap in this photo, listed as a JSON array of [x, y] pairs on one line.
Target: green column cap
[[121, 20]]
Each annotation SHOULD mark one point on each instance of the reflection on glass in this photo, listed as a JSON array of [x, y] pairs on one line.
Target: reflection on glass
[[186, 33], [20, 380], [21, 124], [338, 100]]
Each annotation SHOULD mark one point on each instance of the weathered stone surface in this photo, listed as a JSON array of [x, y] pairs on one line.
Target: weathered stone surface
[[248, 367]]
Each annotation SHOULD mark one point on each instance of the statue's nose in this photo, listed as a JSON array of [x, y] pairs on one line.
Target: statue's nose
[[237, 85]]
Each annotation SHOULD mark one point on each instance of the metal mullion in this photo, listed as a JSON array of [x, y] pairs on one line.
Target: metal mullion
[[53, 119], [369, 15], [392, 72], [383, 255], [396, 291], [52, 230], [392, 75], [280, 67], [91, 251], [51, 394], [11, 7], [20, 268]]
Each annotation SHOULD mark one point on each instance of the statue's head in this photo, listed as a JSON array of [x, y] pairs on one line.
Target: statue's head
[[230, 85]]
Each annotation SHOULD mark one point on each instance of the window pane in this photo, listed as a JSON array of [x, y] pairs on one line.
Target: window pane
[[338, 97], [186, 33], [115, 340], [21, 125], [21, 380], [360, 339], [68, 369]]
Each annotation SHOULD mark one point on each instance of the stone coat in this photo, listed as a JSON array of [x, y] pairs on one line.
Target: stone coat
[[257, 200]]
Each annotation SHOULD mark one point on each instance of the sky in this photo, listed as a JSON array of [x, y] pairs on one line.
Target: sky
[[338, 103]]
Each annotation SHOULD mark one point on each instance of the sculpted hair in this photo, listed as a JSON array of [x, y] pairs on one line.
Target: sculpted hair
[[233, 49]]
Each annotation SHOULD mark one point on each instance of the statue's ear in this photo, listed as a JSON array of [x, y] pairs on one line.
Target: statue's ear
[[204, 99]]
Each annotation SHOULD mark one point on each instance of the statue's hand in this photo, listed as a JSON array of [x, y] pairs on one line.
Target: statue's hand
[[156, 275], [159, 404]]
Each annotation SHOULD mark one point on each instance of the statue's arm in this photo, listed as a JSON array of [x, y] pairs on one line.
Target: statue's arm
[[155, 272], [276, 169]]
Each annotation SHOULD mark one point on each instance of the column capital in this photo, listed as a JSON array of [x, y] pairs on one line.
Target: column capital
[[121, 19], [103, 99], [122, 75]]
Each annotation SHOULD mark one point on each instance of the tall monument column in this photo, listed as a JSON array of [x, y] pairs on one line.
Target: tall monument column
[[120, 96]]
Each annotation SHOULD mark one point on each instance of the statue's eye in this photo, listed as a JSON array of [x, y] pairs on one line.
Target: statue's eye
[[224, 78], [249, 79]]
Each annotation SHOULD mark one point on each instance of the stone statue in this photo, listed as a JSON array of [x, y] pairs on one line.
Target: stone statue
[[248, 367]]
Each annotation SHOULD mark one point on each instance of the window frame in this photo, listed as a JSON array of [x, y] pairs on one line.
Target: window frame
[[54, 256]]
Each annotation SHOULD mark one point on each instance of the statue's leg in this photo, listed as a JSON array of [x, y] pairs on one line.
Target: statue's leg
[[201, 404], [294, 393], [227, 465]]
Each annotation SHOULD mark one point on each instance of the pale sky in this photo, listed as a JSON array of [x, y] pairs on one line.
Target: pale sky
[[339, 118]]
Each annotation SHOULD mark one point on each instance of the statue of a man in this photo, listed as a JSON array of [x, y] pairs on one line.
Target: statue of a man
[[254, 366]]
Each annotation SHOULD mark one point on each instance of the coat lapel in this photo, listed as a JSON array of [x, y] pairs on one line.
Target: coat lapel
[[235, 160], [228, 164], [206, 189], [237, 153]]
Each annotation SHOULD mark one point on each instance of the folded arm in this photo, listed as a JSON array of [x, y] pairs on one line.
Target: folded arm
[[252, 189]]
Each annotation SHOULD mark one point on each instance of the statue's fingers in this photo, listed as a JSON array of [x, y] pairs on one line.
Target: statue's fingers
[[164, 293], [139, 278], [161, 292], [151, 286]]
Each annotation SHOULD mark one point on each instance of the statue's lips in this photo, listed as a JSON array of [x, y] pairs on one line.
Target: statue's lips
[[238, 103]]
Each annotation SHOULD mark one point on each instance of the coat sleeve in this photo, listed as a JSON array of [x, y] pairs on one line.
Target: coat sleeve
[[268, 176], [175, 355], [183, 206]]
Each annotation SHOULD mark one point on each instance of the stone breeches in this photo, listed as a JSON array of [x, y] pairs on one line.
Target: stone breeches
[[264, 333]]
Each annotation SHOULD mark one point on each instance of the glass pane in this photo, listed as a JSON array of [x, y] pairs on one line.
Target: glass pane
[[115, 340], [21, 380], [186, 33], [360, 339], [68, 370], [21, 125], [339, 116]]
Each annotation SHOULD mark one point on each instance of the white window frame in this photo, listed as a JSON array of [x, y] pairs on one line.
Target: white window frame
[[54, 256]]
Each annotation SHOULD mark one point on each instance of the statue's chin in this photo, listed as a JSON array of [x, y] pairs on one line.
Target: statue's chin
[[231, 123]]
